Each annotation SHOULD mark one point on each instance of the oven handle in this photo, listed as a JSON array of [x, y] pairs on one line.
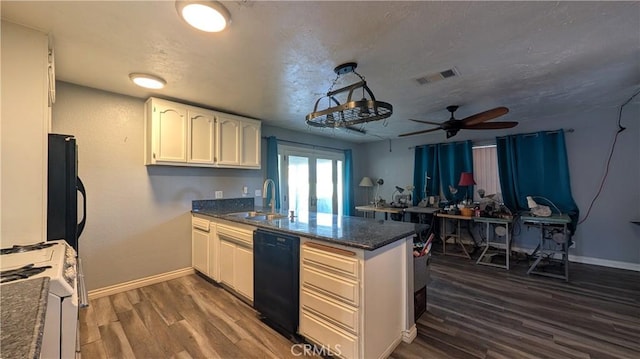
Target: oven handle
[[82, 289]]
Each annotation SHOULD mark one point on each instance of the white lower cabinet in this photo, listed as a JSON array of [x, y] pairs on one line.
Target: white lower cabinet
[[200, 244], [227, 250], [353, 303], [236, 257]]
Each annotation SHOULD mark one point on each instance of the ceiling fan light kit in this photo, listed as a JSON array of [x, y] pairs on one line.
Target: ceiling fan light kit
[[350, 112], [207, 16], [473, 122]]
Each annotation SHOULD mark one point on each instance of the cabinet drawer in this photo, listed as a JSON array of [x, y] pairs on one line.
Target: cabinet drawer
[[331, 259], [199, 223], [238, 235], [339, 314], [326, 335], [342, 289]]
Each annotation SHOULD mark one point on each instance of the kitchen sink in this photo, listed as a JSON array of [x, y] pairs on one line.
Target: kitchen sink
[[257, 215], [267, 217], [247, 214]]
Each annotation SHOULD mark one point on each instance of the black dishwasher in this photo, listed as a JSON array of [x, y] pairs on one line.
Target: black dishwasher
[[276, 272]]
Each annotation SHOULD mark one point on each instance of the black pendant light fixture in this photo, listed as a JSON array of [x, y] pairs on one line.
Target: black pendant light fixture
[[350, 111]]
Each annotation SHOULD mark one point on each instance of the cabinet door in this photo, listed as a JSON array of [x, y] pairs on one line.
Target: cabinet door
[[214, 253], [243, 271], [227, 250], [201, 136], [250, 145], [200, 250], [170, 132], [228, 146]]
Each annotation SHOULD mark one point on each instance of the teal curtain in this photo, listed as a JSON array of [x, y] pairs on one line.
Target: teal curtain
[[425, 165], [536, 164], [347, 199], [453, 159], [272, 168]]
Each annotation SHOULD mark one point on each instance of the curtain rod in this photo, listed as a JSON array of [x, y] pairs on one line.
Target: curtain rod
[[568, 130], [306, 144]]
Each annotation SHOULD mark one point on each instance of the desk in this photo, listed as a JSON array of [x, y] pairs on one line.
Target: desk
[[385, 210], [495, 221], [456, 236], [557, 221]]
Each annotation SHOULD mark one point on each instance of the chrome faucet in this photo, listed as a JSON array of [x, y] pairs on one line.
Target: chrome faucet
[[273, 193]]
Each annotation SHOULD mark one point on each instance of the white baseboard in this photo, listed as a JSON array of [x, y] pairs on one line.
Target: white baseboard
[[409, 335], [139, 283], [589, 260], [387, 353], [605, 263]]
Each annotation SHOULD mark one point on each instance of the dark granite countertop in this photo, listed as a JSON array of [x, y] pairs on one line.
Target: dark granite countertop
[[357, 232], [24, 305]]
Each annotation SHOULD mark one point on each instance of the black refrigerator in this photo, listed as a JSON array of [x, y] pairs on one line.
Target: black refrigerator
[[63, 188]]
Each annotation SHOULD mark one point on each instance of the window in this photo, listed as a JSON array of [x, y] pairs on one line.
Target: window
[[485, 170]]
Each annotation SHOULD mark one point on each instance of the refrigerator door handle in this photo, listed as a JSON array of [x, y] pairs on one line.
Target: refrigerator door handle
[[84, 207]]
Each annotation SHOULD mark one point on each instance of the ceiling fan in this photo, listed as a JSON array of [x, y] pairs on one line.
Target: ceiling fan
[[474, 122]]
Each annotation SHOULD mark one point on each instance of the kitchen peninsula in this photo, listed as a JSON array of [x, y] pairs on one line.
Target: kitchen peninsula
[[356, 274]]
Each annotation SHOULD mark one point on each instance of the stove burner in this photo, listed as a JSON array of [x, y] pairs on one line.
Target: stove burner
[[21, 273], [25, 248]]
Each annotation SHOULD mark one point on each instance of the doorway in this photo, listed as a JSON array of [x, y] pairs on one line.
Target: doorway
[[311, 180]]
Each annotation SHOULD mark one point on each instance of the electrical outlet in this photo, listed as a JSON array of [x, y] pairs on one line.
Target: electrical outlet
[[258, 193], [218, 194], [245, 190]]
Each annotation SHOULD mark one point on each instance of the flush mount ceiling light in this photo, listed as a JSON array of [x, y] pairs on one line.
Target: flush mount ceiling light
[[147, 81], [350, 112], [208, 16]]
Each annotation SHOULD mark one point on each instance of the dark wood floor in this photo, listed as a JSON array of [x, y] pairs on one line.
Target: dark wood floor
[[473, 312]]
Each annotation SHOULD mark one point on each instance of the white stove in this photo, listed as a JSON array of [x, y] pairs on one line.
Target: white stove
[[58, 261]]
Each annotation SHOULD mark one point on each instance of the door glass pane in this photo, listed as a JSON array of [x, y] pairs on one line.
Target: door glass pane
[[324, 185], [298, 173]]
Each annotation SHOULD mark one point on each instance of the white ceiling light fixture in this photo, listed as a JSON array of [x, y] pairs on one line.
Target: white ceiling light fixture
[[147, 81], [208, 16]]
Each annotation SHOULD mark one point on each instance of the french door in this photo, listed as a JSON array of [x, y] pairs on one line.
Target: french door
[[311, 180]]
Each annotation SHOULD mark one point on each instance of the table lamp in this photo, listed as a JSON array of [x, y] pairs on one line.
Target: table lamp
[[466, 180], [366, 182]]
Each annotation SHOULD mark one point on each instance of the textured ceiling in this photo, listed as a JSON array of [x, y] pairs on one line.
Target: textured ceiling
[[539, 59]]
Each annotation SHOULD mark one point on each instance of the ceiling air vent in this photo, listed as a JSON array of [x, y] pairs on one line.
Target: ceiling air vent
[[452, 72]]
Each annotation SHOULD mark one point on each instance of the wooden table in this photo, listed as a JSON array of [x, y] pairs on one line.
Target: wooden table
[[541, 251], [489, 221], [386, 210], [456, 236]]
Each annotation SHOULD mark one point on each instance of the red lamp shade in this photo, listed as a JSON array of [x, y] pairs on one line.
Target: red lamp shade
[[466, 179]]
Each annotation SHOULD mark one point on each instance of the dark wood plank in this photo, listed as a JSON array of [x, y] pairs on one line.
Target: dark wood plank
[[143, 343]]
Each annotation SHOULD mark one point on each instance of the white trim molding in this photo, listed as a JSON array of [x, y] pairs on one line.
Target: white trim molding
[[605, 263], [409, 335], [139, 283]]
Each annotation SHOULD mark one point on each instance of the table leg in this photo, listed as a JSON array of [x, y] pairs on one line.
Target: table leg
[[508, 245], [486, 247]]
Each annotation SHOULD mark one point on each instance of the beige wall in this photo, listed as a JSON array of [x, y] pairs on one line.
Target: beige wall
[[25, 122], [138, 217]]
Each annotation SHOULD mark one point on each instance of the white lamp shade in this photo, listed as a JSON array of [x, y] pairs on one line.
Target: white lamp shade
[[366, 182]]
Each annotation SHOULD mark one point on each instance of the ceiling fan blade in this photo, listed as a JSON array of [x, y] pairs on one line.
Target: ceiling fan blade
[[419, 132], [484, 116], [491, 125], [427, 122]]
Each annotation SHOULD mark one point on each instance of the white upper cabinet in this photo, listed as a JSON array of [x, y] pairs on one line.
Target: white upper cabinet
[[250, 155], [183, 135], [228, 150], [166, 132], [201, 137], [238, 141]]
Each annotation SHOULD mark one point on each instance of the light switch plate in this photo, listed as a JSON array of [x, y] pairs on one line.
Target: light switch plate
[[258, 193], [218, 194]]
